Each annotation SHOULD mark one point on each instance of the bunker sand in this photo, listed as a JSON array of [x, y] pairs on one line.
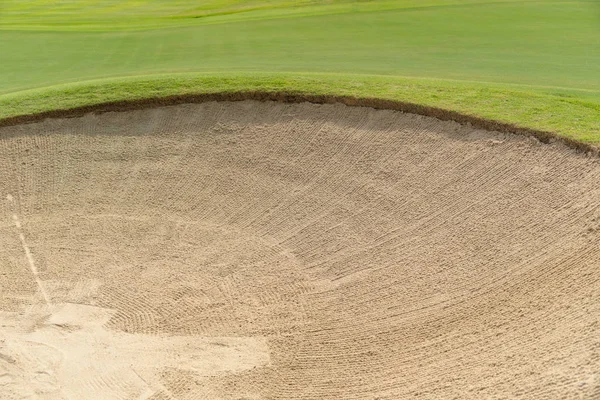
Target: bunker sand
[[258, 250]]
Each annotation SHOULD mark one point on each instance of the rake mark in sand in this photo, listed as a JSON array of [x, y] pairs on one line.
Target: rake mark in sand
[[250, 249]]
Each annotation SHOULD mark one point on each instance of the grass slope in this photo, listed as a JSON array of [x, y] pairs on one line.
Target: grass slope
[[569, 117], [534, 63]]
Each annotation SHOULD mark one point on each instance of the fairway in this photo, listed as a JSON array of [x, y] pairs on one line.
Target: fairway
[[310, 199], [552, 44]]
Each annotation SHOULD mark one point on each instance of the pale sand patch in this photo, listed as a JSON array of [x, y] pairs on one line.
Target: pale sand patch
[[64, 351]]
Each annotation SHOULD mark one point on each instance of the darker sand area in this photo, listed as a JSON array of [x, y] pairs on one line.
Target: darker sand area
[[255, 250]]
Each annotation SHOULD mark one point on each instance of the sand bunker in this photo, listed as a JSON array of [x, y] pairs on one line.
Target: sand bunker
[[268, 251]]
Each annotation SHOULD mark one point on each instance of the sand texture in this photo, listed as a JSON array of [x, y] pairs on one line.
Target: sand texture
[[259, 250]]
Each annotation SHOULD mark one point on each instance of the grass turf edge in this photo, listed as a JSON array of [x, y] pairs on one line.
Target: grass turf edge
[[380, 104], [571, 120]]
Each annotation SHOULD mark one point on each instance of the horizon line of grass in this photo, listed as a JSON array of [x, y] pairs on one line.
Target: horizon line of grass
[[544, 115]]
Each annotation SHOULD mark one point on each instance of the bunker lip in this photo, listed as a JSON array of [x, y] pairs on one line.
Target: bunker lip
[[291, 97]]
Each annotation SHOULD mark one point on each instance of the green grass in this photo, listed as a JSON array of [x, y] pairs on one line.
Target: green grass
[[569, 116], [532, 63], [108, 15]]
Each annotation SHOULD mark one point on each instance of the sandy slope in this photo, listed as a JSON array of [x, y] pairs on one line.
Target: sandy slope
[[259, 251]]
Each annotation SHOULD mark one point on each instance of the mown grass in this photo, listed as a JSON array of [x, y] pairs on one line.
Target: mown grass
[[531, 63], [537, 43], [110, 15], [568, 116]]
